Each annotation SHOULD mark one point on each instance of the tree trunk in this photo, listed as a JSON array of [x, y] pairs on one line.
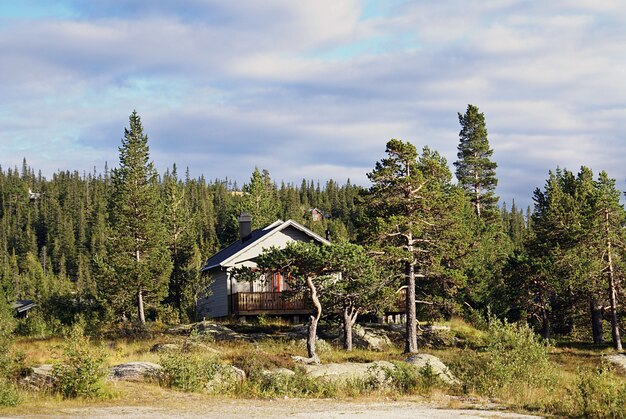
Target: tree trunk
[[597, 331], [349, 318], [313, 320], [410, 346], [545, 319], [617, 341], [142, 317]]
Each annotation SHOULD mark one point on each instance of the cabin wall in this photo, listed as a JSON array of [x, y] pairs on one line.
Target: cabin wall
[[216, 304]]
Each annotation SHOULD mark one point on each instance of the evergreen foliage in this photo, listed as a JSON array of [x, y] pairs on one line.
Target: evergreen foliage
[[475, 171], [136, 249]]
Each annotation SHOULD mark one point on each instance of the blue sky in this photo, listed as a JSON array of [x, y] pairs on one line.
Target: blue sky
[[314, 89]]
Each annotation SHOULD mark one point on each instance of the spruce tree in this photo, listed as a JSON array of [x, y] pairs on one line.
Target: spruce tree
[[137, 247], [260, 199], [475, 171]]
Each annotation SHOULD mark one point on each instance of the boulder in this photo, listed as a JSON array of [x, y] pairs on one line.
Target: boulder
[[136, 371], [163, 347], [39, 377], [191, 345], [217, 331], [285, 372], [374, 339], [349, 370], [619, 360], [438, 367]]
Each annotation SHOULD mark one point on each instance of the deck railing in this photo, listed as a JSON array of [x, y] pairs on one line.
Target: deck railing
[[267, 303]]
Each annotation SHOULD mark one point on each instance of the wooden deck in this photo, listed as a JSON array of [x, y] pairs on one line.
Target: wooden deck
[[254, 303]]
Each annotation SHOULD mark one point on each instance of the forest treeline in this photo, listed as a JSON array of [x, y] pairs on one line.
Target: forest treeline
[[557, 265]]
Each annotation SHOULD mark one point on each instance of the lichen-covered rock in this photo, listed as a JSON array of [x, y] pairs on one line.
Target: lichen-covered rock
[[286, 372], [39, 377], [164, 347], [217, 331], [136, 371], [349, 370], [374, 339], [438, 367]]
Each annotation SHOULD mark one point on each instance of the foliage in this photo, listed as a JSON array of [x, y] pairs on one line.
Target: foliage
[[81, 370], [9, 395], [514, 358], [137, 251], [475, 171], [415, 216], [260, 199], [599, 394], [408, 379], [189, 372]]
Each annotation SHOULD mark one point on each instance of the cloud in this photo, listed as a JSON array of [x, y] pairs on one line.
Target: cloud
[[314, 89]]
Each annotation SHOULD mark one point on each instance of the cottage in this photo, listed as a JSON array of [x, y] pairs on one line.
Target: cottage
[[22, 307], [228, 297]]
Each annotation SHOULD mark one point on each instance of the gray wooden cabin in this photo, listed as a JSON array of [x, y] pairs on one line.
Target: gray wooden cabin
[[229, 298]]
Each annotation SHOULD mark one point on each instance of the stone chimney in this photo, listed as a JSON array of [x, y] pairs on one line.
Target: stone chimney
[[245, 226]]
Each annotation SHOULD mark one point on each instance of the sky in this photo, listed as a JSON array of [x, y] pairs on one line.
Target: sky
[[314, 89]]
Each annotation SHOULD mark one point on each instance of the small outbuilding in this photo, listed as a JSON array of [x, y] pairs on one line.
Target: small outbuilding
[[22, 307]]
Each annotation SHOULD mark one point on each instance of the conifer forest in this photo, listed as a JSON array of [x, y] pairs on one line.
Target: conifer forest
[[65, 242]]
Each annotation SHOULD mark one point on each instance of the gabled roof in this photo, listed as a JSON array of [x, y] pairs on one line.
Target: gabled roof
[[23, 305], [226, 255]]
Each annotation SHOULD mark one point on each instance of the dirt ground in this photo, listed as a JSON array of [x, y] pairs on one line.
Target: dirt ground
[[291, 408]]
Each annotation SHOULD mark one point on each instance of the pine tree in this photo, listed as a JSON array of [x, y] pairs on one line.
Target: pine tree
[[137, 247], [475, 171], [260, 199], [414, 216]]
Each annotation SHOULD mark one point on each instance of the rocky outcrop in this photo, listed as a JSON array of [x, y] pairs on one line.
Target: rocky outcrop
[[136, 371], [438, 367], [40, 377]]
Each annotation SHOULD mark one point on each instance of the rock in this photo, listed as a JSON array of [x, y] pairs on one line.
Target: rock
[[438, 367], [191, 345], [217, 331], [136, 371], [39, 378], [278, 372], [161, 347], [306, 361], [374, 339], [619, 360], [349, 371]]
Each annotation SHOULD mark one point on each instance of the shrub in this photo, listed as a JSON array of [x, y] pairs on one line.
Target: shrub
[[405, 378], [189, 371], [514, 358], [599, 394], [9, 395], [81, 371]]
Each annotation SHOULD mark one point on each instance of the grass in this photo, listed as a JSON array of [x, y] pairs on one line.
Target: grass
[[579, 387]]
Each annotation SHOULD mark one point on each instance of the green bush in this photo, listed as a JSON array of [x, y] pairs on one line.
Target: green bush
[[189, 371], [514, 358], [9, 396], [81, 370], [298, 384], [599, 394], [406, 378]]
